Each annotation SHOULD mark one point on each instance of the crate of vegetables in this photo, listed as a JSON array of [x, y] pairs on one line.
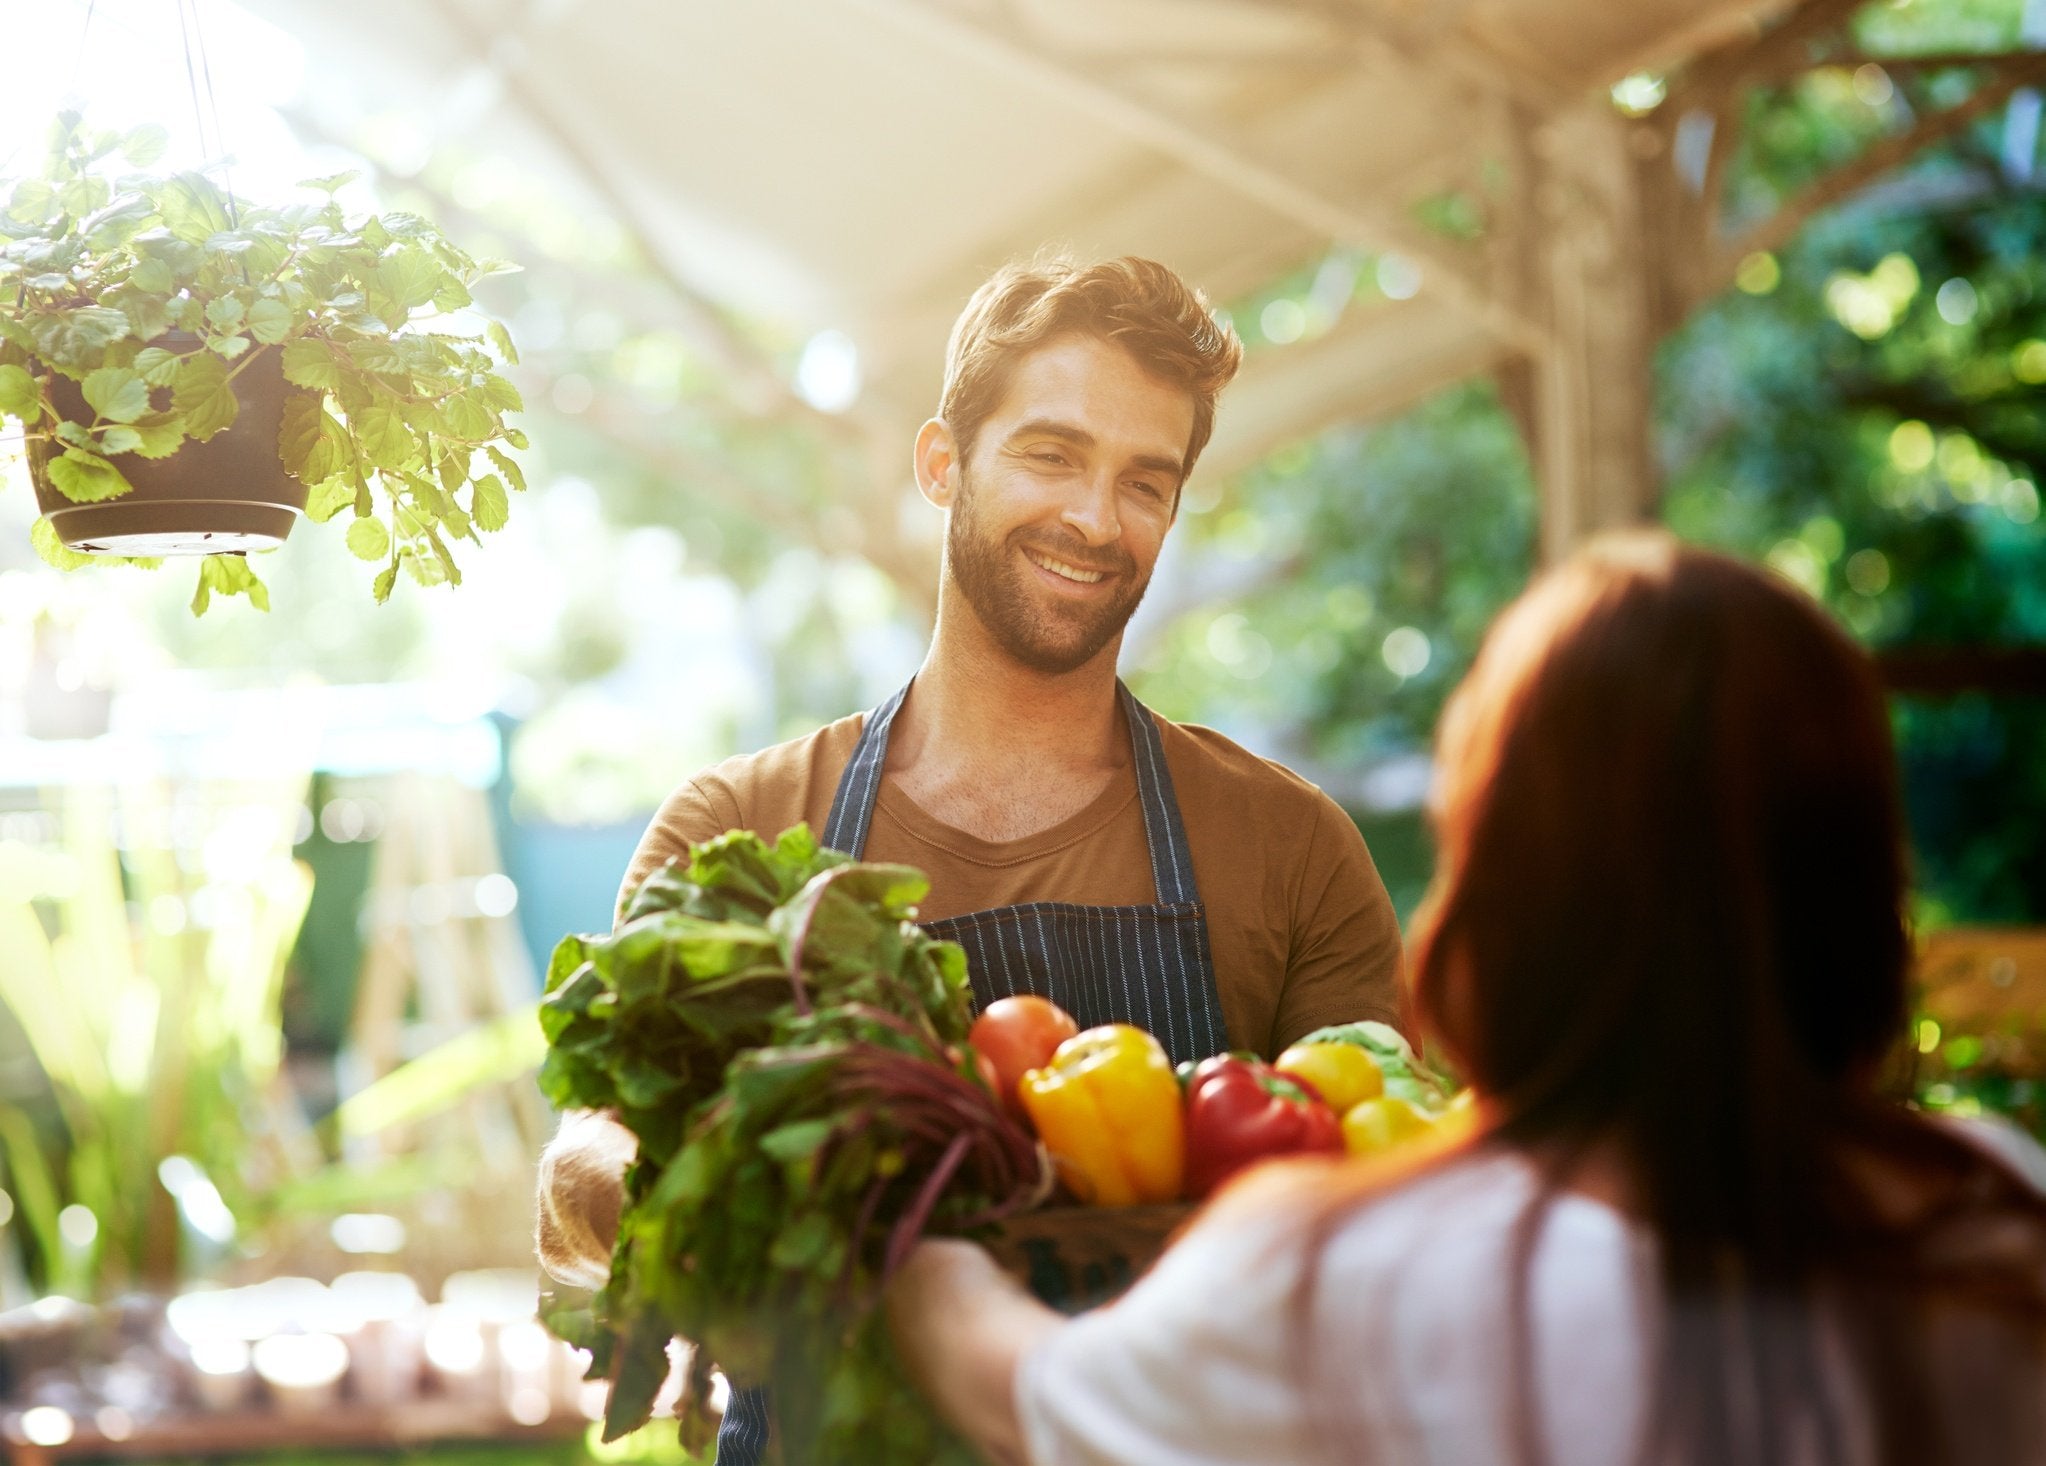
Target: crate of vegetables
[[1137, 1143]]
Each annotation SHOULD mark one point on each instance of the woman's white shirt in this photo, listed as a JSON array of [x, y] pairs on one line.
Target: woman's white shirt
[[1206, 1360]]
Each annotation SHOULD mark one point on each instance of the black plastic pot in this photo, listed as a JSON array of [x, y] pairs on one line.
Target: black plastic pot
[[227, 494]]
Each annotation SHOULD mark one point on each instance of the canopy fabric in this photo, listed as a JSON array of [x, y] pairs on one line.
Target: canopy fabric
[[862, 164]]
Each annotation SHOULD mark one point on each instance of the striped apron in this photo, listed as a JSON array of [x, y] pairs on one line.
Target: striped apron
[[1147, 965]]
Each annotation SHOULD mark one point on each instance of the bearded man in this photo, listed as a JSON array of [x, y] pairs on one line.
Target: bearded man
[[1131, 869]]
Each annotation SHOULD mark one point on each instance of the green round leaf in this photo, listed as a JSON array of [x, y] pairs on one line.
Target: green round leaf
[[508, 466], [333, 182], [469, 419], [158, 367], [75, 337], [145, 145], [120, 438], [308, 363], [424, 569], [117, 394], [18, 395], [225, 312], [162, 434], [33, 201], [86, 478], [192, 208], [488, 505], [152, 275], [202, 395], [384, 438], [227, 346], [368, 539], [329, 499], [269, 321], [54, 552]]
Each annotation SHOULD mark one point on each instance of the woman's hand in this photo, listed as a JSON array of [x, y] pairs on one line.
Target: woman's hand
[[961, 1326]]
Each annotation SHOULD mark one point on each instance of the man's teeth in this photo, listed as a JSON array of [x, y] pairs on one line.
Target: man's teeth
[[1060, 567]]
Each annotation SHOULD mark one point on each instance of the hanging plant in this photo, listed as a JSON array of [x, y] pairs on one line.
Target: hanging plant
[[192, 375]]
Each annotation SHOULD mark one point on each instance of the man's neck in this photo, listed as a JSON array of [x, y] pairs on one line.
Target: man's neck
[[997, 748], [971, 694]]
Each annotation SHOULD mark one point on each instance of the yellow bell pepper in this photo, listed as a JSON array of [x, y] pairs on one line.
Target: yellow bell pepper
[[1383, 1124], [1107, 1107]]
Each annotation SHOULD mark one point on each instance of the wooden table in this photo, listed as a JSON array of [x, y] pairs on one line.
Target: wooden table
[[346, 1427]]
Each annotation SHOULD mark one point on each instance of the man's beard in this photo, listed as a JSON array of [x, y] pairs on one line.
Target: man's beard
[[994, 578]]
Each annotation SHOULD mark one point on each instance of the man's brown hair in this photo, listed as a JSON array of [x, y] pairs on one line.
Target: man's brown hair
[[1138, 304]]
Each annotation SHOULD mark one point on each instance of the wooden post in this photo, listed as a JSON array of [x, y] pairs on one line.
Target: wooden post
[[1585, 399]]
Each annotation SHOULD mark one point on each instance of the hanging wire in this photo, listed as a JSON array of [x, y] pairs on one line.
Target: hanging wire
[[192, 80], [78, 60], [213, 106]]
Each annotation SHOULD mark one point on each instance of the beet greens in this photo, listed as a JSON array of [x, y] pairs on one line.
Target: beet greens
[[789, 1048]]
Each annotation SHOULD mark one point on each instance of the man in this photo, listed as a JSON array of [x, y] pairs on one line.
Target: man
[[1129, 868]]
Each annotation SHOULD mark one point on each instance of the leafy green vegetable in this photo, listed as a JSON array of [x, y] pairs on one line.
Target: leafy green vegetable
[[1406, 1077], [787, 1046]]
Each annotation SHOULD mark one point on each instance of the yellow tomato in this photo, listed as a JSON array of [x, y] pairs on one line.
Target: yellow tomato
[[1343, 1075], [1385, 1123]]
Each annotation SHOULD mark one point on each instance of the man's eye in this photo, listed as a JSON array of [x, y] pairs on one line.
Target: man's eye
[[1147, 488], [1054, 458]]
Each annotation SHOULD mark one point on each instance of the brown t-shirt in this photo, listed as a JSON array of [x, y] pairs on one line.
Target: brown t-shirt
[[1299, 925]]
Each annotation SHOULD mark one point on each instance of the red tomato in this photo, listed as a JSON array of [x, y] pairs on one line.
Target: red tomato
[[1019, 1034]]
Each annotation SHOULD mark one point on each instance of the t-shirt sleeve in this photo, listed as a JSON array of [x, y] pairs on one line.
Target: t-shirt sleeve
[[700, 810], [1344, 965], [1187, 1368]]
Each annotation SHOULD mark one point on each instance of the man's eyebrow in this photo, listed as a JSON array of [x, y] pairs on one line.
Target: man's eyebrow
[[1079, 437]]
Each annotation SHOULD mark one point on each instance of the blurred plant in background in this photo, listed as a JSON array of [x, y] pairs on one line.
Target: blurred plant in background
[[145, 956]]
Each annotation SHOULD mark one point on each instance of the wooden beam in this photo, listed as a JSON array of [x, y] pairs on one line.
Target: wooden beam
[[2016, 73], [1742, 63], [1229, 161]]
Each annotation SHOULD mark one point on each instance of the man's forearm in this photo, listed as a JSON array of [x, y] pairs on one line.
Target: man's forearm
[[582, 1191]]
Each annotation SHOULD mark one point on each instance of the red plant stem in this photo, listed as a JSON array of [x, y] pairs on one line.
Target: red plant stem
[[802, 998], [910, 1226]]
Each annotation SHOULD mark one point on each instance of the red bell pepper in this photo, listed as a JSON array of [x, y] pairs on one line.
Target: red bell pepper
[[1240, 1110]]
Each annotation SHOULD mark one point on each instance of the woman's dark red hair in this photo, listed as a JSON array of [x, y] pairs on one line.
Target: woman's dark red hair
[[1667, 925]]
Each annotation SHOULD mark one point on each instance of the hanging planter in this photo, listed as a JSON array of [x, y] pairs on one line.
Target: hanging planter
[[194, 377], [228, 494]]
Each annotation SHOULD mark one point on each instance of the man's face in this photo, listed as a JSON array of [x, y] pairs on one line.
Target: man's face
[[1063, 504]]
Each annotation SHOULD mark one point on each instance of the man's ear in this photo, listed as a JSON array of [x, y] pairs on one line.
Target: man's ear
[[937, 463]]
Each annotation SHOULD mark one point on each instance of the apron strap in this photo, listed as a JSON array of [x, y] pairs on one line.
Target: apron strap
[[1171, 857], [852, 805]]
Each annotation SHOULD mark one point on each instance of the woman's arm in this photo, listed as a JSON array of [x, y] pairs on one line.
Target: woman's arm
[[962, 1326]]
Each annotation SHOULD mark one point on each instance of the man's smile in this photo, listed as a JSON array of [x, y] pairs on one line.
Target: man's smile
[[1063, 570]]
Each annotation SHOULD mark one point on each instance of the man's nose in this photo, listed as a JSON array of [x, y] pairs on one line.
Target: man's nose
[[1091, 511]]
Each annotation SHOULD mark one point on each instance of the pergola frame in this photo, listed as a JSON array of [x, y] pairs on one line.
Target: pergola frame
[[1606, 237]]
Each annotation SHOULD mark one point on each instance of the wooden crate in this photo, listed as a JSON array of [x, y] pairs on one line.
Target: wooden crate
[[1074, 1257]]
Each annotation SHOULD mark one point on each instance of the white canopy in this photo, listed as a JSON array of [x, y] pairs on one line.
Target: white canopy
[[862, 164]]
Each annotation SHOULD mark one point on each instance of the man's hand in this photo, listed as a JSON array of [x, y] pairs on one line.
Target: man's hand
[[582, 1191]]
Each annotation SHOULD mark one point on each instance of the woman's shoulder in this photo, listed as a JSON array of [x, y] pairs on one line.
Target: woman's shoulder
[[1444, 1226], [2001, 1140]]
